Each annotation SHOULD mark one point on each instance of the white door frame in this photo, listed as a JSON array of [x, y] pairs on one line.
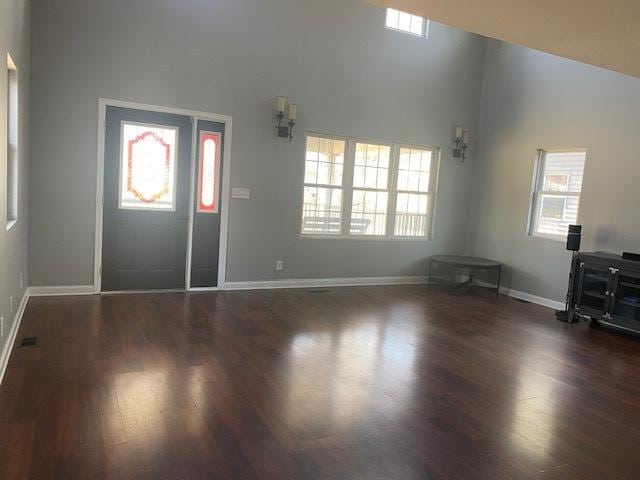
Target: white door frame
[[226, 182]]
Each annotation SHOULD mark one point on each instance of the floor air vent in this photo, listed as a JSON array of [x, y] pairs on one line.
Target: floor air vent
[[29, 342]]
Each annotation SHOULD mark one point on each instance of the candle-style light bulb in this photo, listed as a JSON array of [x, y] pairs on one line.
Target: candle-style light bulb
[[293, 111], [280, 103], [458, 132], [465, 137]]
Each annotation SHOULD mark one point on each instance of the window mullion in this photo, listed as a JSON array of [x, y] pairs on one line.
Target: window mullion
[[347, 186], [392, 185], [433, 185]]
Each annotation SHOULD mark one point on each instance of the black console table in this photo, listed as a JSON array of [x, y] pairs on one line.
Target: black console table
[[468, 264], [606, 289]]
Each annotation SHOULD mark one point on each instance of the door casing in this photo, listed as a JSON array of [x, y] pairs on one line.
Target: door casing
[[226, 182]]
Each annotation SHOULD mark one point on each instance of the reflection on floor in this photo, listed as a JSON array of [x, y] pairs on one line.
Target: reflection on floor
[[364, 382]]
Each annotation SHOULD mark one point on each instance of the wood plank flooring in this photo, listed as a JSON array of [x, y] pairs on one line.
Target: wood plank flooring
[[368, 383]]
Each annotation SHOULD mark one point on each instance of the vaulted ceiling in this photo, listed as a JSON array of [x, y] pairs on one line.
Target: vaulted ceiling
[[605, 33]]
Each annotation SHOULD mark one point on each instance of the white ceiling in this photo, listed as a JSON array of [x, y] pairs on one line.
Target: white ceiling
[[605, 33]]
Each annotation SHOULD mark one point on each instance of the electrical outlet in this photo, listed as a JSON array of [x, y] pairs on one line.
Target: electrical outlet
[[11, 304], [279, 265]]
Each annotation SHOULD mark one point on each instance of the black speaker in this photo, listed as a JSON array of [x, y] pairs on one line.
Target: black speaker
[[574, 237]]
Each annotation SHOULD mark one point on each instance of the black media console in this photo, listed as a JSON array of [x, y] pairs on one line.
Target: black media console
[[606, 289]]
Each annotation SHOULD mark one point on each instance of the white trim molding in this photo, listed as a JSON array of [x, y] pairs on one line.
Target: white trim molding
[[363, 281], [59, 291], [227, 120], [527, 297], [324, 282], [7, 348]]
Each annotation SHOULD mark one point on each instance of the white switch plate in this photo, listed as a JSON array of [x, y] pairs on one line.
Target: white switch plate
[[1, 327], [279, 265], [241, 193], [11, 304]]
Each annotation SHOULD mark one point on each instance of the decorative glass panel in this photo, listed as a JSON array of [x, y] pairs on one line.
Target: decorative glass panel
[[209, 172], [148, 167]]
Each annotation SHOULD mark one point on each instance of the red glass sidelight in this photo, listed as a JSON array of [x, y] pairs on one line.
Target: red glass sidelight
[[208, 172]]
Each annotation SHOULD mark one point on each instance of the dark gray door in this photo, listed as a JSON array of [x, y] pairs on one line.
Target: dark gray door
[[146, 200], [206, 220]]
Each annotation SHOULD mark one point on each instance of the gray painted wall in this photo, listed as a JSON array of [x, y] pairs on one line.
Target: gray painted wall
[[348, 74], [14, 39], [534, 100]]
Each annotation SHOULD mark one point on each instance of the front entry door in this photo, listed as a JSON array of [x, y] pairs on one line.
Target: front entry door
[[146, 200]]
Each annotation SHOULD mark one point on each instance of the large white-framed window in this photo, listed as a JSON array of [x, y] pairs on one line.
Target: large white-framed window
[[12, 143], [556, 194], [407, 23], [364, 189]]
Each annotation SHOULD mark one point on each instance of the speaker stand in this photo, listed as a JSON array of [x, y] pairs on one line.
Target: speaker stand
[[563, 315]]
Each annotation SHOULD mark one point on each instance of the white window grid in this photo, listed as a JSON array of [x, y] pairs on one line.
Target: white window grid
[[539, 193], [408, 23], [392, 191], [317, 221]]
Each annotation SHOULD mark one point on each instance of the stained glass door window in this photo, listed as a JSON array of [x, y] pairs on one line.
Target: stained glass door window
[[208, 172], [148, 167]]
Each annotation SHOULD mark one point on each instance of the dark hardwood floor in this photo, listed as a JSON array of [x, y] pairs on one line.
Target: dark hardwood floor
[[353, 383]]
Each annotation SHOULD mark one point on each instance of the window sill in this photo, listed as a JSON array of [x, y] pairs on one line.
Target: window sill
[[368, 238], [548, 236], [10, 224]]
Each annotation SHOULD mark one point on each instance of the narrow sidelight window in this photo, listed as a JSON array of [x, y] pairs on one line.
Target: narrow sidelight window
[[12, 143], [209, 172]]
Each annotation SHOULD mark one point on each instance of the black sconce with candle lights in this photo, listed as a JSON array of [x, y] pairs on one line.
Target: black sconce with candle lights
[[286, 131], [461, 143]]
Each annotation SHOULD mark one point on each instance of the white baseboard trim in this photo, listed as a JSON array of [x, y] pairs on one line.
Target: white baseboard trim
[[323, 282], [11, 338], [527, 297], [61, 290], [545, 302]]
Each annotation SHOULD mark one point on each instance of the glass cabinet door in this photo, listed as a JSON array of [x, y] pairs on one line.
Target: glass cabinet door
[[593, 289], [625, 300]]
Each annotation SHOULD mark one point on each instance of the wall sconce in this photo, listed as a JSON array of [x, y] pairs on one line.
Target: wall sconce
[[286, 131], [462, 143]]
